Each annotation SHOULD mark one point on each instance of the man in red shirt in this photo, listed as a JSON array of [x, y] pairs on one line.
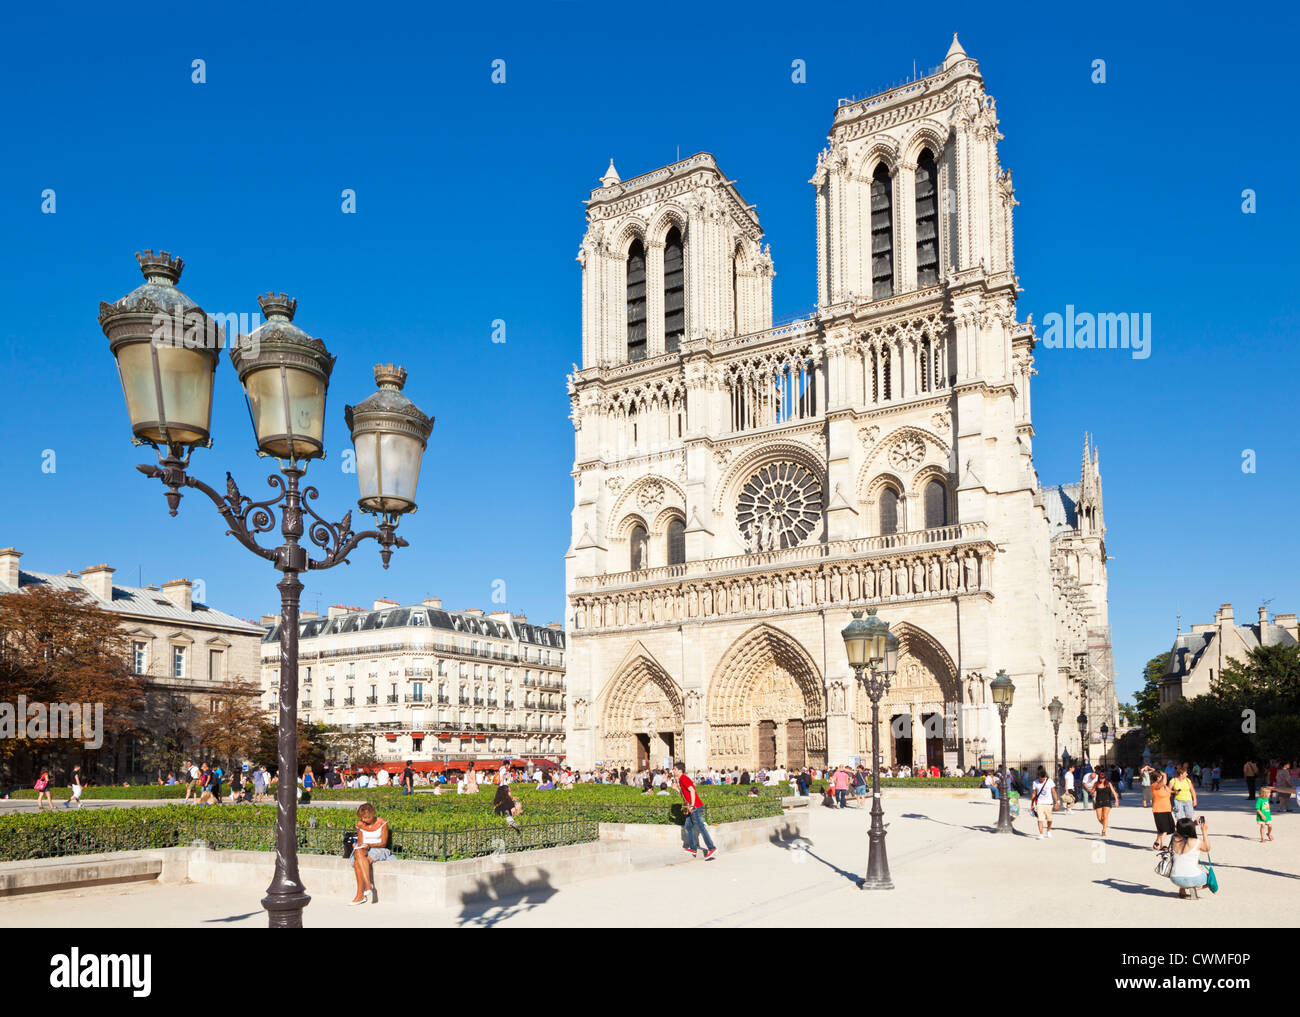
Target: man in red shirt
[[694, 809]]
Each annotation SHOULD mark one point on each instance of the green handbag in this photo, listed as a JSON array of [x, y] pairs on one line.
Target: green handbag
[[1211, 880]]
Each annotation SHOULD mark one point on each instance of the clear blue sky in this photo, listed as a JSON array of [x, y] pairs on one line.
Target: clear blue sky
[[469, 201]]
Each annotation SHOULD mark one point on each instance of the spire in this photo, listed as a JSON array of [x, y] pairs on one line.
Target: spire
[[611, 176], [1087, 459], [955, 53]]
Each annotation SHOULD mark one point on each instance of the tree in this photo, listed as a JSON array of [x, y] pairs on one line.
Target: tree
[[1146, 702], [358, 748], [59, 647], [230, 731], [1267, 681], [311, 749]]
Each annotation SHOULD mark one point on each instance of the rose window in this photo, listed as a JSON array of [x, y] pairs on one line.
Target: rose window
[[779, 506], [907, 453]]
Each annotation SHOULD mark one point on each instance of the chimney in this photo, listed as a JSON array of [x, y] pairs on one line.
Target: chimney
[[501, 616], [1263, 617], [304, 615], [181, 593], [270, 619], [433, 602], [1288, 622], [99, 581], [1224, 615], [381, 603], [477, 612], [521, 618], [337, 609], [9, 566], [558, 626]]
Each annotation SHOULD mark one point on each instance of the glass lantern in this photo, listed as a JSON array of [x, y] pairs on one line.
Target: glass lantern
[[389, 434], [166, 349]]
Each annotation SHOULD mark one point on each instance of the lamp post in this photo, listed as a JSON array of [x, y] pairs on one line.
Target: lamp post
[[1104, 731], [1056, 710], [167, 350], [1003, 692], [869, 644]]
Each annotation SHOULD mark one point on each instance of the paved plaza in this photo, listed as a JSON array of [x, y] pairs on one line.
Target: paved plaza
[[948, 867]]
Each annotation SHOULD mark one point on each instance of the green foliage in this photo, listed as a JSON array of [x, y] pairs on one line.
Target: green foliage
[[1204, 729], [1268, 681]]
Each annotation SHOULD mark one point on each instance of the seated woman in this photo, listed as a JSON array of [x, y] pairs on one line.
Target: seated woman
[[506, 805], [371, 847], [1187, 873]]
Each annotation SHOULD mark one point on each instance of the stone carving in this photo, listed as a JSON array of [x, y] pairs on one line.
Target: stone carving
[[940, 421], [837, 697], [651, 495], [692, 707], [580, 713], [779, 507], [907, 453], [868, 435], [615, 484]]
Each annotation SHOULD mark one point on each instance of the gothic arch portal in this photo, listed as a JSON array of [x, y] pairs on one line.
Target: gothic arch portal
[[766, 704], [924, 686], [641, 714]]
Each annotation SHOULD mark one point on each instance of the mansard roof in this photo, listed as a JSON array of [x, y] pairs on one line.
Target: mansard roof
[[420, 617]]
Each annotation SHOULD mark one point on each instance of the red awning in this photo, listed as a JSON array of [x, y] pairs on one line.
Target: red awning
[[417, 734], [391, 737]]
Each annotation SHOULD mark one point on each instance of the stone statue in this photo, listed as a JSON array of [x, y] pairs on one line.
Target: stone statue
[[934, 575], [869, 583], [580, 713], [853, 584], [837, 698], [900, 579], [706, 601], [950, 575], [918, 576], [972, 572], [886, 584]]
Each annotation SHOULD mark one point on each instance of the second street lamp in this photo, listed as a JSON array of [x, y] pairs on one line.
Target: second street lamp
[[1003, 692], [167, 350], [873, 654], [1056, 710], [1104, 731]]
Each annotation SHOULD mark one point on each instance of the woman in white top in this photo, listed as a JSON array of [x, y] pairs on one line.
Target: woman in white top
[[1187, 873]]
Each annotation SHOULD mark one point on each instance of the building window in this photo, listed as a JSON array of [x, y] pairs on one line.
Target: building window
[[674, 291], [178, 662], [636, 329], [888, 511], [927, 221], [638, 560], [676, 546], [140, 653], [882, 234], [936, 505]]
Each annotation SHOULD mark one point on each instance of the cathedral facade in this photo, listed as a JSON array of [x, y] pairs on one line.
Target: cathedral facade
[[740, 488]]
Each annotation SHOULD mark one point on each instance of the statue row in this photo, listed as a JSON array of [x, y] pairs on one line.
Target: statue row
[[705, 598]]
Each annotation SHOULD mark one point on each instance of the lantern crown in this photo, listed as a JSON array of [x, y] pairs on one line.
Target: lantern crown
[[163, 267], [278, 306]]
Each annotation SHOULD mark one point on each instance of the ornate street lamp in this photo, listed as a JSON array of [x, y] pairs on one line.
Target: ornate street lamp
[[873, 654], [167, 350], [1104, 731], [1003, 692], [1056, 710]]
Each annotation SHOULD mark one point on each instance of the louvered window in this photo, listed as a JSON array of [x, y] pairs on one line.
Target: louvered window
[[889, 510], [882, 234], [636, 302], [676, 542], [674, 291], [936, 505], [927, 221]]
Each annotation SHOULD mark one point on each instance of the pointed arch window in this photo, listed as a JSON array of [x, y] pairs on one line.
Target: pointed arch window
[[882, 234], [676, 542], [927, 221], [674, 291], [888, 511], [936, 505], [638, 558], [636, 330]]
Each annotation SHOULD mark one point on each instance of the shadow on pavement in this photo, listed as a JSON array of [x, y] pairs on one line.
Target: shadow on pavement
[[501, 896], [802, 846], [984, 828], [232, 918], [1127, 886]]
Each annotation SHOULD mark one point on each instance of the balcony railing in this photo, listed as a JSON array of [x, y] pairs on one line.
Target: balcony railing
[[394, 699], [419, 699], [350, 701], [372, 700], [738, 563]]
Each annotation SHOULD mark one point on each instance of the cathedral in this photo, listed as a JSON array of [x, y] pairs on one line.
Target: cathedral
[[740, 488]]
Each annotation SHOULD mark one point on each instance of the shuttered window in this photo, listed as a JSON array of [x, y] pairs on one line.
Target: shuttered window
[[882, 234], [636, 302], [674, 291], [927, 221]]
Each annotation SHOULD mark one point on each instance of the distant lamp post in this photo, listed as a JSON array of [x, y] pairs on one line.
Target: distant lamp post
[[1056, 710], [167, 350], [1104, 731], [873, 654], [1003, 692], [1082, 721]]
